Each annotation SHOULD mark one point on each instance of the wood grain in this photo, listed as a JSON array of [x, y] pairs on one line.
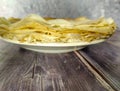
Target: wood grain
[[23, 70], [105, 59], [115, 39], [95, 68], [96, 74]]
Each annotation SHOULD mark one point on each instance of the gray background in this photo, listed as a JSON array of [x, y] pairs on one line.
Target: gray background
[[62, 8]]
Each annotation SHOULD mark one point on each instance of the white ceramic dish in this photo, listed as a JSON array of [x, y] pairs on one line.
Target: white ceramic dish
[[53, 47]]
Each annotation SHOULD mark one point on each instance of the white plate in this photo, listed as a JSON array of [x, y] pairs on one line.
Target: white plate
[[53, 47]]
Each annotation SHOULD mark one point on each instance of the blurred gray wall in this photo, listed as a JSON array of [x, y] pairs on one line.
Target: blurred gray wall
[[62, 8]]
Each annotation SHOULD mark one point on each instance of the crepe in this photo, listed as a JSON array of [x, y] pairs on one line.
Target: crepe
[[34, 28]]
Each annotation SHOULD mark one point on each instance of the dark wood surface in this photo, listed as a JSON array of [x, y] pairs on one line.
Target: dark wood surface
[[105, 58], [95, 68]]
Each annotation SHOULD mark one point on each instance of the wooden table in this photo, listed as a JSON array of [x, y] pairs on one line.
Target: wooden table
[[95, 68]]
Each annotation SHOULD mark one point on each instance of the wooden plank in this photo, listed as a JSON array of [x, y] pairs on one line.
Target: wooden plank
[[31, 71], [115, 39], [6, 48], [93, 70], [66, 73], [14, 69], [105, 59]]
